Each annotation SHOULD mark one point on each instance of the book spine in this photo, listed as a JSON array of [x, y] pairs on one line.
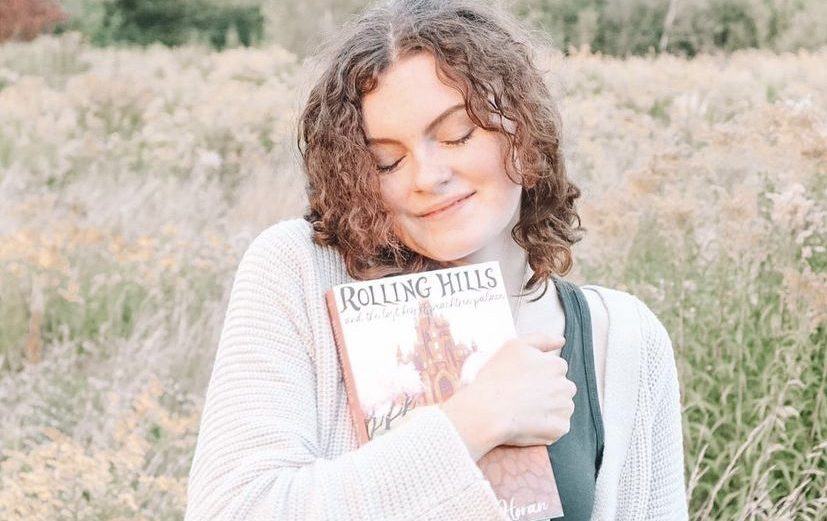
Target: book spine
[[352, 396]]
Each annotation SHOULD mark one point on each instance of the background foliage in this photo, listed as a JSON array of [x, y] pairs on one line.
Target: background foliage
[[686, 27], [613, 27], [133, 178], [131, 181]]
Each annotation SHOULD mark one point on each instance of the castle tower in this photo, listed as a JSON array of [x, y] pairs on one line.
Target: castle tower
[[437, 356]]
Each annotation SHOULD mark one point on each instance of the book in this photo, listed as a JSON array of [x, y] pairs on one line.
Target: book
[[411, 341]]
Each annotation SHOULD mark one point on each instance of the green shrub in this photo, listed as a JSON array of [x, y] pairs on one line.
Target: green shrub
[[170, 22]]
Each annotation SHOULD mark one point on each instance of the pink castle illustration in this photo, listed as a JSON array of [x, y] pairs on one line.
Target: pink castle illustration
[[436, 356]]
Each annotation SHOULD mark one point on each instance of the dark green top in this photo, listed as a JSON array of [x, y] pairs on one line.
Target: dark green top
[[576, 457]]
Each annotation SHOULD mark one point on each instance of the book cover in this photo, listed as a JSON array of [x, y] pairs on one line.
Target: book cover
[[411, 341]]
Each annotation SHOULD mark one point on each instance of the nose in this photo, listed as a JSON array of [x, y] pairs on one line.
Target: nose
[[432, 172]]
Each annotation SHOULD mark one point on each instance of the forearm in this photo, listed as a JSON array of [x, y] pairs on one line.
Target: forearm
[[417, 471]]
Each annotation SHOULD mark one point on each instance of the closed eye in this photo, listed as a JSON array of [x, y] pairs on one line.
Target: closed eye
[[384, 169], [461, 140], [389, 168]]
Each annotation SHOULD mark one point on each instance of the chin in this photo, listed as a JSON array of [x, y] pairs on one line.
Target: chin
[[447, 245], [453, 254]]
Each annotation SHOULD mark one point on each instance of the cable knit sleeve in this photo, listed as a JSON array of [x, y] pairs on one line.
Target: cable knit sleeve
[[667, 494], [258, 454]]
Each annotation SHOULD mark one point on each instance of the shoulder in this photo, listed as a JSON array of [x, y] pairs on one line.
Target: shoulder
[[286, 254], [279, 256], [284, 239], [623, 310], [631, 323]]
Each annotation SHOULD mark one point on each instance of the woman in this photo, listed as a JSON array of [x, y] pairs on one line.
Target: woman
[[431, 141]]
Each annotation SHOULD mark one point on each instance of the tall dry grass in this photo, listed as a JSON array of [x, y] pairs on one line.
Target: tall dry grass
[[132, 181]]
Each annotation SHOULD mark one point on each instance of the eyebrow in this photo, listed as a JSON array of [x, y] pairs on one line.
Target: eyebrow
[[430, 128]]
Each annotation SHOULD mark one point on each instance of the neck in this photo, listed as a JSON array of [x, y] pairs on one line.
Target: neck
[[512, 258]]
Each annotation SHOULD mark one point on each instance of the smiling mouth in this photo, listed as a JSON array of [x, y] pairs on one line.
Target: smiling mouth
[[449, 207]]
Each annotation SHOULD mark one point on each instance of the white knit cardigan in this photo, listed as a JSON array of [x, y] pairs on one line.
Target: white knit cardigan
[[277, 442]]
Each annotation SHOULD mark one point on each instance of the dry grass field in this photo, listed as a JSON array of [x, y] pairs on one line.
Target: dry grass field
[[132, 181]]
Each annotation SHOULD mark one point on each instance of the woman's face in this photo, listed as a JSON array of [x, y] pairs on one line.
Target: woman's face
[[442, 177]]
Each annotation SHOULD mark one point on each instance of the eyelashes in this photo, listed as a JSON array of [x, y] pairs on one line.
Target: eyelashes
[[461, 140], [389, 168], [383, 169]]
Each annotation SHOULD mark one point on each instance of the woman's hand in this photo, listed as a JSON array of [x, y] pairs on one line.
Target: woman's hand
[[520, 396]]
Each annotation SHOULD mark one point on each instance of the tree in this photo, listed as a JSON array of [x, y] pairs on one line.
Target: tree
[[25, 19]]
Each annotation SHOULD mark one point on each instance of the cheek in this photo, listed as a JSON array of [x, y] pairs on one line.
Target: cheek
[[394, 198], [392, 195], [491, 174], [487, 159]]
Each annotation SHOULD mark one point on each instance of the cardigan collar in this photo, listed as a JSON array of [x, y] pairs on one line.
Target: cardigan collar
[[622, 379]]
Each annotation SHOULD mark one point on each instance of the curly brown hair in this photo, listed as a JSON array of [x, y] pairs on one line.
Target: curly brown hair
[[480, 50]]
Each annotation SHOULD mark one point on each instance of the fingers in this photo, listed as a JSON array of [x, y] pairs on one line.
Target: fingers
[[571, 389], [544, 342]]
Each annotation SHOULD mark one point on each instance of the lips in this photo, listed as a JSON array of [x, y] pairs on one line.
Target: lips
[[445, 205]]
